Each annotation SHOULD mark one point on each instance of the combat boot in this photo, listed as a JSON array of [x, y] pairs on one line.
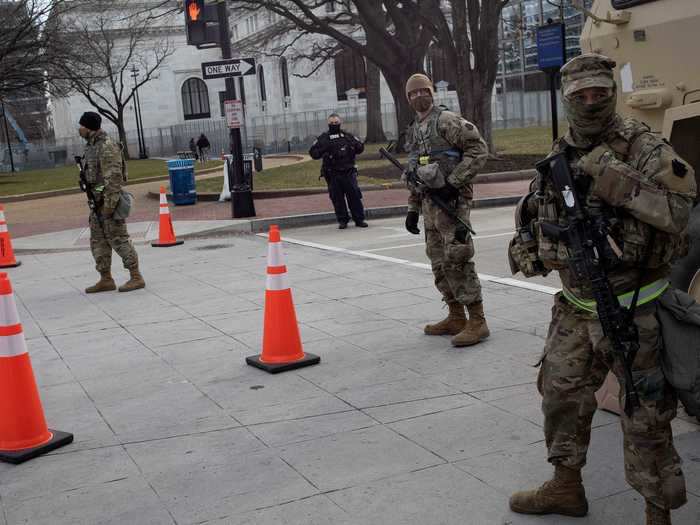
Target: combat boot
[[475, 329], [105, 284], [450, 325], [657, 515], [134, 283], [564, 494]]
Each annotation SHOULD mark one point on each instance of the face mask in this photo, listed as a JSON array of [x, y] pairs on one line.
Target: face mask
[[590, 120], [333, 128], [421, 104]]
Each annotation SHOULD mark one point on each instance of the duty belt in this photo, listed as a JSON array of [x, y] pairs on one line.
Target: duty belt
[[647, 294]]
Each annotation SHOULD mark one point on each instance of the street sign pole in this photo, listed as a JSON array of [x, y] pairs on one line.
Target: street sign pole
[[551, 55], [241, 201]]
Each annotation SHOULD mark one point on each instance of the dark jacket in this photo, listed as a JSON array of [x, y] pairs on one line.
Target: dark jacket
[[338, 151], [203, 142]]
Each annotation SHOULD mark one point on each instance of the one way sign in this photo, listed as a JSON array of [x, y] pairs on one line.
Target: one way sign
[[234, 67]]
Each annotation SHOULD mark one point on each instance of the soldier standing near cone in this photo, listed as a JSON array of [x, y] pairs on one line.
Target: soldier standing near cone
[[105, 172], [445, 154], [634, 182]]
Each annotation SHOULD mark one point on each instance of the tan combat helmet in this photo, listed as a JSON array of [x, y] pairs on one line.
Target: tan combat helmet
[[419, 81], [587, 70]]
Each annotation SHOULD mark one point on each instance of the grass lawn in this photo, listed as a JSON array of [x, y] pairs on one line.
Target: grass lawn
[[67, 176], [521, 141]]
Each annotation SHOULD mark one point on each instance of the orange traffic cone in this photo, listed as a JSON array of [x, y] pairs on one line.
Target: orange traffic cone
[[7, 255], [282, 348], [23, 431], [166, 233]]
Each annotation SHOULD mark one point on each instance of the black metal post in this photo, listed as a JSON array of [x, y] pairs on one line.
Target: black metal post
[[7, 137], [137, 115], [553, 101], [241, 194], [142, 145]]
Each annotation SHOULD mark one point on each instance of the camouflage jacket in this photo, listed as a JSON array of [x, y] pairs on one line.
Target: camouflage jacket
[[642, 187], [451, 141], [105, 169]]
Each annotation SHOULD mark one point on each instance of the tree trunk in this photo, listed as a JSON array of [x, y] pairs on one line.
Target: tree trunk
[[375, 128], [122, 136], [475, 105]]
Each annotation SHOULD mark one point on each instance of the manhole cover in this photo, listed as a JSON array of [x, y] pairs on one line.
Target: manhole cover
[[213, 247]]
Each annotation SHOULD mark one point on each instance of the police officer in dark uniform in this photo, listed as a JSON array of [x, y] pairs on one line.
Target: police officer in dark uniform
[[338, 150]]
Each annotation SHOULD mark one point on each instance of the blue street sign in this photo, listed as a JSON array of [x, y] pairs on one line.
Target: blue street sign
[[551, 46]]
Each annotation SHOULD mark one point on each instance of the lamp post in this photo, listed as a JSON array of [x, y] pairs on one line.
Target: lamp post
[[137, 111]]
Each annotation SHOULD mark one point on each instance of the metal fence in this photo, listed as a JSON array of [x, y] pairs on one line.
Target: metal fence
[[289, 132]]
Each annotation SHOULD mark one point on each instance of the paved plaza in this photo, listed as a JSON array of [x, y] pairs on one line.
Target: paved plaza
[[393, 427]]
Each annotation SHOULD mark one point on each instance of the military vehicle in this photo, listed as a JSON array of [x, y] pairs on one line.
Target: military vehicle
[[658, 82]]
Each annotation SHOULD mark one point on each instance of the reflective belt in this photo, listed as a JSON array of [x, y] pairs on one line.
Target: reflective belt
[[647, 294]]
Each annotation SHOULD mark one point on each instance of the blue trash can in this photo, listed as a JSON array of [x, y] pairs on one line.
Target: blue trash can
[[182, 186]]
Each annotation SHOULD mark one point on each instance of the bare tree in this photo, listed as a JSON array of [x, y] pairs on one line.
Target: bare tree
[[108, 40], [470, 43], [27, 35], [386, 32]]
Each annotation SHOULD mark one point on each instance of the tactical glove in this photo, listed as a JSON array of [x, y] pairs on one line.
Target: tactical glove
[[461, 233], [595, 162], [412, 222]]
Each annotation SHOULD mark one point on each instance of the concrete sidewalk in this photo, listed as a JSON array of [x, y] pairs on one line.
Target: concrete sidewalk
[[393, 427]]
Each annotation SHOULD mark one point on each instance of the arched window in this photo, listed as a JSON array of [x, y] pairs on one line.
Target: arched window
[[437, 67], [261, 83], [350, 73], [284, 73], [195, 99]]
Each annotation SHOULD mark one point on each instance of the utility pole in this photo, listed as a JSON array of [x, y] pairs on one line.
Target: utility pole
[[137, 111], [241, 194], [7, 137]]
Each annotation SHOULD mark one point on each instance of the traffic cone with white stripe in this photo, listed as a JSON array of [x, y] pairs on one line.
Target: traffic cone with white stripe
[[282, 349], [23, 431], [166, 233], [7, 255]]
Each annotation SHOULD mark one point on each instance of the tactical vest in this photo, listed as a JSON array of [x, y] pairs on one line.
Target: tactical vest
[[92, 155], [341, 154], [431, 145], [640, 245]]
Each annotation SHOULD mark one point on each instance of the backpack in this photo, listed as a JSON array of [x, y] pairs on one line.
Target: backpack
[[679, 317]]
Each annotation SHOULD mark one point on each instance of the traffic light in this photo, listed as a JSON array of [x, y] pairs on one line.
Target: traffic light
[[194, 22], [202, 23]]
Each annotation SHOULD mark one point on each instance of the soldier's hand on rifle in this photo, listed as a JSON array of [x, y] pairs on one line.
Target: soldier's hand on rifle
[[595, 162], [412, 222]]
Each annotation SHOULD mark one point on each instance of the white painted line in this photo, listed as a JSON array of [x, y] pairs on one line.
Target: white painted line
[[484, 277], [396, 247], [493, 235]]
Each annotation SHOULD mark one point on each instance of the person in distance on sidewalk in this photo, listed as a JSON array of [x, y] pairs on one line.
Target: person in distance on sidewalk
[[338, 150]]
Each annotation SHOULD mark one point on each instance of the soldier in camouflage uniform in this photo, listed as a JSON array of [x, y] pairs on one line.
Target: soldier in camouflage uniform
[[635, 180], [105, 172], [446, 152]]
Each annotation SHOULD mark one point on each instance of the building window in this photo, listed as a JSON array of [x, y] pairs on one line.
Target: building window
[[284, 73], [330, 7], [350, 73], [195, 99], [234, 31], [261, 84], [437, 67], [241, 89]]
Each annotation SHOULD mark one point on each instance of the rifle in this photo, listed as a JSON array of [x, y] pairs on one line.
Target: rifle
[[587, 240], [85, 187], [413, 178]]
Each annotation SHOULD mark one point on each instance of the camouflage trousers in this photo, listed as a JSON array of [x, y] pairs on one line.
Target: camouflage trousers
[[451, 261], [577, 357], [113, 237]]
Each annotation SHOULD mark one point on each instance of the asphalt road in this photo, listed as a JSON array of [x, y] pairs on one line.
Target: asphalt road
[[389, 238]]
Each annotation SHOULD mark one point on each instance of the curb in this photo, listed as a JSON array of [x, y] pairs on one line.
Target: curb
[[312, 219], [486, 178], [72, 191]]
